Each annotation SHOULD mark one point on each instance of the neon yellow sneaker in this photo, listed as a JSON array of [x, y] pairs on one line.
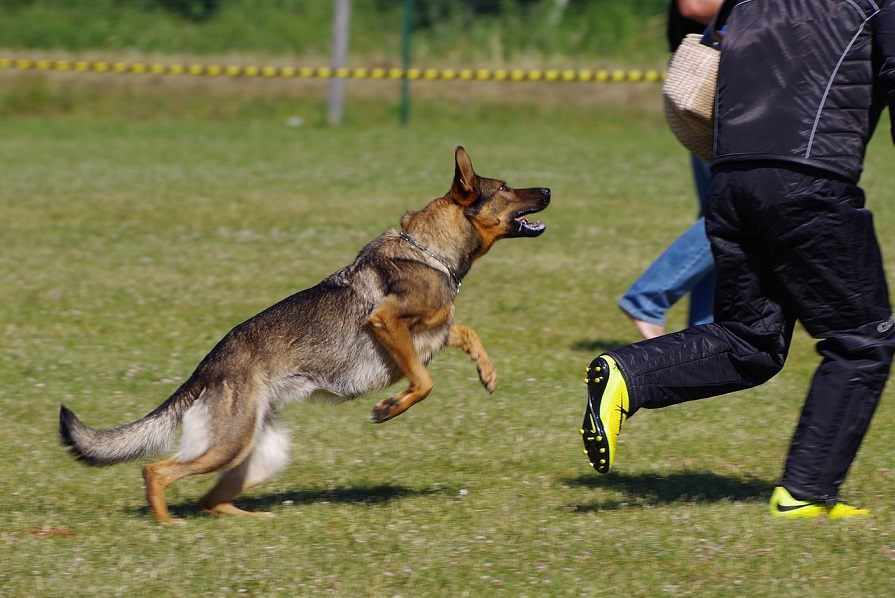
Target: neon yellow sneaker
[[785, 506], [841, 511], [607, 410]]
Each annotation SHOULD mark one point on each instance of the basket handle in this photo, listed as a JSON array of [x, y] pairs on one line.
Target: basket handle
[[714, 32]]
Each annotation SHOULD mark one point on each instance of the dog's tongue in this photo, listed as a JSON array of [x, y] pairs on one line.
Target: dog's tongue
[[523, 221]]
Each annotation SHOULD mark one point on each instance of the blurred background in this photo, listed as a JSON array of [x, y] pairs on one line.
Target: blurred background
[[445, 32], [589, 35]]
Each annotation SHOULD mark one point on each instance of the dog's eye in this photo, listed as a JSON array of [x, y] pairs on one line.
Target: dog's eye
[[503, 188]]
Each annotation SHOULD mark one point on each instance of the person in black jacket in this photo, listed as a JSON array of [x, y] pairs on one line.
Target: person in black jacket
[[801, 86]]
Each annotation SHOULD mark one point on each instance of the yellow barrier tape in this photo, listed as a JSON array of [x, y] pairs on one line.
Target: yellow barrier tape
[[213, 70]]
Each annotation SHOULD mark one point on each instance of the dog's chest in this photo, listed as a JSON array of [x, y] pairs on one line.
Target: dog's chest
[[428, 342], [430, 333]]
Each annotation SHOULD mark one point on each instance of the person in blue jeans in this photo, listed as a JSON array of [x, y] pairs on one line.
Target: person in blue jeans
[[686, 266]]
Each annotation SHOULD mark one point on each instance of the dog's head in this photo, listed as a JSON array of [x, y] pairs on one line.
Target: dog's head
[[496, 210], [475, 214]]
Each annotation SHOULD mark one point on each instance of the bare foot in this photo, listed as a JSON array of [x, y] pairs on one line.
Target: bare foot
[[230, 509], [646, 329]]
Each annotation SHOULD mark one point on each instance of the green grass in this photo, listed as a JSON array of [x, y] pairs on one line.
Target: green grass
[[133, 241]]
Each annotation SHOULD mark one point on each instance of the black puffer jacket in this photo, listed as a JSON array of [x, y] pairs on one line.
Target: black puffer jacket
[[784, 95]]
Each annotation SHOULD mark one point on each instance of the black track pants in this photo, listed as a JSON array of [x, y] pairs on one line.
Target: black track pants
[[787, 245]]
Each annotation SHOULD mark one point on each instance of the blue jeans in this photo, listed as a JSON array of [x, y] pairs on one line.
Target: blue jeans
[[686, 266]]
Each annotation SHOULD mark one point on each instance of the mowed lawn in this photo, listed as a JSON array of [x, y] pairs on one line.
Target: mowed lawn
[[131, 246]]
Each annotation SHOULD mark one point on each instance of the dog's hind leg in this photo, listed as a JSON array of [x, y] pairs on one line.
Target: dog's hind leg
[[467, 340], [268, 457], [158, 476], [218, 435]]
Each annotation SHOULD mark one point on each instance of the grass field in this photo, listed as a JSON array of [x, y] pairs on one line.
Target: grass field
[[133, 241]]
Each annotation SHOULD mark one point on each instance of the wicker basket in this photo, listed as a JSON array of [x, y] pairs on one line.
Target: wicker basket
[[689, 95]]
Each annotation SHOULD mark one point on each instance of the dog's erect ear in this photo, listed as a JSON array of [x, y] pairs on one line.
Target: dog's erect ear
[[463, 189]]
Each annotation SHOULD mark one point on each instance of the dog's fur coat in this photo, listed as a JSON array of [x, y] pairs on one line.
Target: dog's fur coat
[[372, 323]]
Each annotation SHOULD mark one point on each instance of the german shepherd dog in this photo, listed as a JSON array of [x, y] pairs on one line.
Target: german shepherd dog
[[365, 327]]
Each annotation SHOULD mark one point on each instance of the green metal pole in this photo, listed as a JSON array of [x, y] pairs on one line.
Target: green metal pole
[[405, 84]]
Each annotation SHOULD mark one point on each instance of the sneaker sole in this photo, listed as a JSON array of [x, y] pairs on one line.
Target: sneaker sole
[[596, 443]]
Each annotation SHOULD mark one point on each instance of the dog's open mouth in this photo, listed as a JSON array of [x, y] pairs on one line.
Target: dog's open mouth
[[526, 228], [535, 201], [523, 227]]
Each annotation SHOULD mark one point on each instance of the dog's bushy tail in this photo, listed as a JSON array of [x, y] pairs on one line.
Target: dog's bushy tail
[[150, 435]]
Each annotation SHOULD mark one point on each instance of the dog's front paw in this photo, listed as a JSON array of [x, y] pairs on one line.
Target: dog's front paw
[[487, 375], [385, 410], [490, 381], [392, 407]]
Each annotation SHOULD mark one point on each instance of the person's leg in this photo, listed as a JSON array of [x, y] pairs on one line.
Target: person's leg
[[686, 266], [832, 272], [702, 299], [749, 341], [746, 346], [702, 177], [683, 265], [826, 269], [702, 294]]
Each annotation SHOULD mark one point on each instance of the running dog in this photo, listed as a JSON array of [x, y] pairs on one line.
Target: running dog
[[374, 322]]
